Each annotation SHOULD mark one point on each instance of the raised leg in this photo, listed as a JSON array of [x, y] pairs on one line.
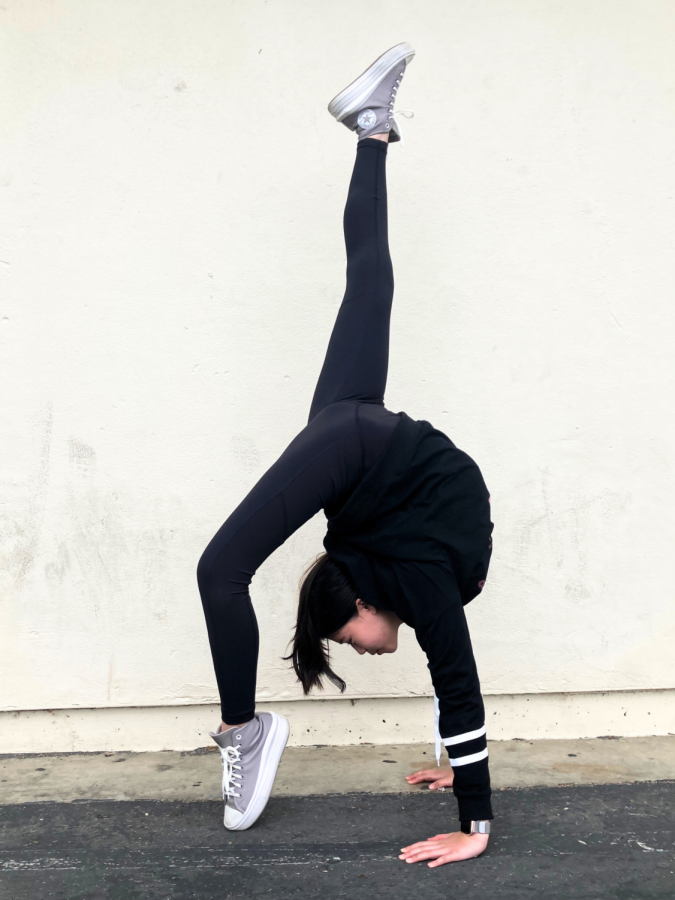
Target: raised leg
[[357, 359]]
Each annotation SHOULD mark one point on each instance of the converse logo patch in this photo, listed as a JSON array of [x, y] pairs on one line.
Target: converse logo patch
[[367, 118]]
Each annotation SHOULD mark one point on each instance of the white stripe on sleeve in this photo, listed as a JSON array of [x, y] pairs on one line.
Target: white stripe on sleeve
[[472, 757], [467, 736]]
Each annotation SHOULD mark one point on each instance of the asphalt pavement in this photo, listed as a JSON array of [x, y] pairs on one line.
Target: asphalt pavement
[[589, 841]]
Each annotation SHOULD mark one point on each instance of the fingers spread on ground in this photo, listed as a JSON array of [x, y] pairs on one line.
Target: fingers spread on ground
[[413, 848], [448, 858], [424, 850], [422, 854]]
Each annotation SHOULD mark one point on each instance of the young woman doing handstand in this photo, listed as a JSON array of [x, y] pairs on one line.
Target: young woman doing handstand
[[408, 525]]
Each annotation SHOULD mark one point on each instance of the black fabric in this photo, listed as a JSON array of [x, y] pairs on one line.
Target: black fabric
[[407, 511], [348, 430], [416, 537], [467, 748]]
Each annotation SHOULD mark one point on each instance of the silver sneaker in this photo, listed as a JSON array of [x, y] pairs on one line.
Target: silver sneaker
[[366, 106], [250, 756]]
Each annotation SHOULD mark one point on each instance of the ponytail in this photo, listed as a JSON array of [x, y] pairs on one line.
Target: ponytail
[[327, 602]]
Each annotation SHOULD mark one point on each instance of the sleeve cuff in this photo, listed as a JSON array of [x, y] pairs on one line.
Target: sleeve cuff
[[474, 808], [471, 786]]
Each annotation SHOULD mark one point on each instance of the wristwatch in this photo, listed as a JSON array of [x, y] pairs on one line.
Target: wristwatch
[[480, 827]]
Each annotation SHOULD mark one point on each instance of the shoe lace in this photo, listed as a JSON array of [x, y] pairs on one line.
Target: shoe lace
[[407, 113], [231, 756]]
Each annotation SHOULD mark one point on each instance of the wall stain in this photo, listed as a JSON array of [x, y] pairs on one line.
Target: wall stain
[[110, 678], [245, 452], [56, 569], [29, 531], [81, 456]]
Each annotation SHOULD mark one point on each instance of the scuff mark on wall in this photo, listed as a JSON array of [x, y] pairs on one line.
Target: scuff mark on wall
[[111, 677], [245, 452], [81, 457], [56, 569], [567, 530], [22, 558]]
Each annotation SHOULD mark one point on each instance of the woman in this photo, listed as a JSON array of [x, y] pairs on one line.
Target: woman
[[409, 531]]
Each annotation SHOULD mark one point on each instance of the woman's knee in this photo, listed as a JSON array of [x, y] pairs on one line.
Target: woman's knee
[[220, 577], [203, 570], [210, 562]]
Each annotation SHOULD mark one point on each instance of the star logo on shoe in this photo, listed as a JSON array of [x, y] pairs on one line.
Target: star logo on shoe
[[367, 118]]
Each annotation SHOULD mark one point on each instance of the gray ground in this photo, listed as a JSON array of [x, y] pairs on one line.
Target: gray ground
[[562, 841]]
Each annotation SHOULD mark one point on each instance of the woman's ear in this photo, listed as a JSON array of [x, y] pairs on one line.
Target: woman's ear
[[366, 607]]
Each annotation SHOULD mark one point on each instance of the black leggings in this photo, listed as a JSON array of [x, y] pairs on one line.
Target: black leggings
[[348, 429]]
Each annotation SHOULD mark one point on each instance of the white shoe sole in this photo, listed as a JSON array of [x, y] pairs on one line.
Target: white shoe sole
[[351, 99], [269, 763]]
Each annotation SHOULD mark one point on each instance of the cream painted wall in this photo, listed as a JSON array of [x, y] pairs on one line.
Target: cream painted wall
[[172, 264]]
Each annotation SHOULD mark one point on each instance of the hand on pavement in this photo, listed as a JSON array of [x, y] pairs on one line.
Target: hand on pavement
[[445, 848], [440, 777]]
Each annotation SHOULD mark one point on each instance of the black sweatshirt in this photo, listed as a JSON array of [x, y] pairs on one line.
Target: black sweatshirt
[[415, 537]]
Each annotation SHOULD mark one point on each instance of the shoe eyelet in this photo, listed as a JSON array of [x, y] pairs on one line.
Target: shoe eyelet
[[238, 737]]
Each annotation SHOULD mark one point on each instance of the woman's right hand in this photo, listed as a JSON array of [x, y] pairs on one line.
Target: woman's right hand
[[441, 777]]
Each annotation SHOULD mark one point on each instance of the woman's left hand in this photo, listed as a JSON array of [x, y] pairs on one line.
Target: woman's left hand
[[445, 848]]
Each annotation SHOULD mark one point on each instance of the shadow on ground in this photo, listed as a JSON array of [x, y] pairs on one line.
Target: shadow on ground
[[608, 841]]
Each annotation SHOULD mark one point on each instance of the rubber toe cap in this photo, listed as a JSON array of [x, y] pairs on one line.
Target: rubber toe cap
[[232, 818]]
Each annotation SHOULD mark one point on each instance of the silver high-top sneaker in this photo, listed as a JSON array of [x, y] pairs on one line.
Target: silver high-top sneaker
[[251, 756], [366, 106]]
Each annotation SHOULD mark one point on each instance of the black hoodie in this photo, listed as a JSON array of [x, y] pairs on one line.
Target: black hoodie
[[415, 537]]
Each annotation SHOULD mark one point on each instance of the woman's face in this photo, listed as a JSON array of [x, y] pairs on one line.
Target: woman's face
[[371, 631]]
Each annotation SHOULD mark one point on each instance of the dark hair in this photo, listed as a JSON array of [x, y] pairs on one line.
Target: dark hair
[[327, 602]]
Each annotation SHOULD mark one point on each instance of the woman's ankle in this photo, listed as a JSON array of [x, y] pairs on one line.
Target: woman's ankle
[[224, 727]]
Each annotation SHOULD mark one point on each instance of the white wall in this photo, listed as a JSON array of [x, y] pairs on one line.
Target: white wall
[[172, 264]]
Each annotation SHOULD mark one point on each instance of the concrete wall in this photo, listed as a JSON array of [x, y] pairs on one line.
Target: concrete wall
[[172, 264]]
